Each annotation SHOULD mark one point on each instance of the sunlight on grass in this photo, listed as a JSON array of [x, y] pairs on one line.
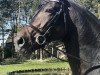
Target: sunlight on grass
[[32, 64]]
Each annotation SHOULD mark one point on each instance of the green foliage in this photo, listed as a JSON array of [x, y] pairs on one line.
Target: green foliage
[[53, 60], [10, 61], [13, 9], [92, 5], [7, 7], [16, 12]]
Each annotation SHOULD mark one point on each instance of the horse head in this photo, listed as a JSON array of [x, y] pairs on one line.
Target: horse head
[[76, 27], [44, 27]]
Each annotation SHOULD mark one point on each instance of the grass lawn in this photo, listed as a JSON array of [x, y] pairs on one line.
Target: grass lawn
[[33, 64]]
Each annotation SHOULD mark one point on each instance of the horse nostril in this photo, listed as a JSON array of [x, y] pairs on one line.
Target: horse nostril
[[21, 42]]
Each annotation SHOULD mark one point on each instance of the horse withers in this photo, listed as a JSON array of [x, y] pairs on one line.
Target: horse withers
[[66, 21]]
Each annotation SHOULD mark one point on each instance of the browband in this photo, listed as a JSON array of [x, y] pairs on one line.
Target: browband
[[55, 0]]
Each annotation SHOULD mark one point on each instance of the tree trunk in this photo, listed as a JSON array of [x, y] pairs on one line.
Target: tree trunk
[[52, 52], [2, 43], [41, 54]]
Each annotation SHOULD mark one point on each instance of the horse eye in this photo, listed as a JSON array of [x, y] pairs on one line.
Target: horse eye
[[49, 10]]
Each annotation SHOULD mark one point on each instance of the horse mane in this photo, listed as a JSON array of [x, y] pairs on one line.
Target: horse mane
[[86, 16], [88, 25], [88, 28]]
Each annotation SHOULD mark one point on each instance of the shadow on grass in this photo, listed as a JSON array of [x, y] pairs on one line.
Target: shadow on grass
[[10, 61], [55, 60]]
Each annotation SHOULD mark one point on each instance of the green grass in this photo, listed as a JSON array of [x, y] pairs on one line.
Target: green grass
[[32, 64]]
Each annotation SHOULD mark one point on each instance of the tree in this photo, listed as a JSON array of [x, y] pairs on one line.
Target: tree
[[16, 12]]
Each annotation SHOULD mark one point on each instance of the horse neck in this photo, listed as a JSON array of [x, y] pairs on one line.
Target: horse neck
[[88, 29]]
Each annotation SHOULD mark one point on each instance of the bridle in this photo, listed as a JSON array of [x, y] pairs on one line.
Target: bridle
[[48, 28], [49, 25]]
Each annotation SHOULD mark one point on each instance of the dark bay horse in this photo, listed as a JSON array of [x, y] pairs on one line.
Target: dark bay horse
[[70, 23]]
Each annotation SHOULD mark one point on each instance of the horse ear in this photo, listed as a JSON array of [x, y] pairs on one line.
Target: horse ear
[[40, 39]]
